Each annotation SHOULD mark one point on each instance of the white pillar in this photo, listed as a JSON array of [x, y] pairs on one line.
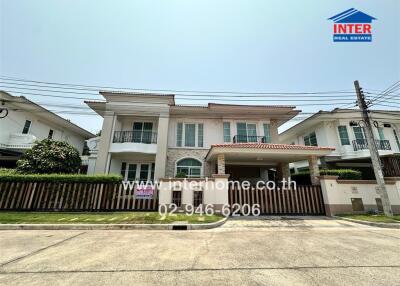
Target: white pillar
[[107, 131], [162, 146]]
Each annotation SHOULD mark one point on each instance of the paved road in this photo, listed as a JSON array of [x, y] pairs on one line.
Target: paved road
[[242, 252]]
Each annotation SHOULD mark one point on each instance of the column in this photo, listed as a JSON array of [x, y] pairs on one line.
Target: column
[[162, 146], [103, 157], [314, 169], [282, 171], [274, 131], [221, 164]]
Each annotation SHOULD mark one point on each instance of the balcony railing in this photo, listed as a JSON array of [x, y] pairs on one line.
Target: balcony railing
[[146, 137], [362, 144], [249, 139]]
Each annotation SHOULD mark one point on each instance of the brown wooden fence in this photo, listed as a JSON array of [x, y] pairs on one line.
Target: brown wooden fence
[[71, 197], [304, 200]]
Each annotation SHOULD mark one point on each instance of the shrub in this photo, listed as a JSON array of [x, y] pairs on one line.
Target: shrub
[[303, 178], [48, 157], [60, 178], [5, 171], [180, 175]]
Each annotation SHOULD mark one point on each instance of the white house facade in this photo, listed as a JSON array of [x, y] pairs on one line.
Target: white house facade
[[342, 129], [27, 122]]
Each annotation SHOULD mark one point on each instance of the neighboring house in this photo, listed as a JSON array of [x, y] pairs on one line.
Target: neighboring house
[[27, 122], [147, 136], [341, 129]]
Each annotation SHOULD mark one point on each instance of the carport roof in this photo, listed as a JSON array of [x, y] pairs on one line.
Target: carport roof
[[266, 151]]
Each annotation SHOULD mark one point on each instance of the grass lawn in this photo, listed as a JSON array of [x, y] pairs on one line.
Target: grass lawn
[[374, 218], [101, 218]]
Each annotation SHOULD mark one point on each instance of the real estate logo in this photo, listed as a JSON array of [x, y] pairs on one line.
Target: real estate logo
[[352, 26]]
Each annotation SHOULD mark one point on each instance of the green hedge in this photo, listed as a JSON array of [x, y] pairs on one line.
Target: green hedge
[[344, 174], [60, 178]]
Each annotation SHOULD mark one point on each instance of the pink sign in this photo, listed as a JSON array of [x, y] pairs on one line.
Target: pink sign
[[144, 192]]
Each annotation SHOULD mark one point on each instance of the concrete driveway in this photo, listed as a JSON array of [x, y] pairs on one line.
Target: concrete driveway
[[265, 251]]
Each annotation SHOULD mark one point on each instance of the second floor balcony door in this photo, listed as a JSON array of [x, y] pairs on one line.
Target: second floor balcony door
[[142, 132], [246, 132]]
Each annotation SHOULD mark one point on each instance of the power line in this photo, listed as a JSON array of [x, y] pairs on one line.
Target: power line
[[327, 101], [173, 90], [326, 95]]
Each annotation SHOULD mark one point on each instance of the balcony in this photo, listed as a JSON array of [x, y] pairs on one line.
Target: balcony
[[362, 144], [249, 139], [134, 142], [145, 137], [19, 141]]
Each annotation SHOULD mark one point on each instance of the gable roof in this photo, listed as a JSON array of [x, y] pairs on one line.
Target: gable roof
[[25, 104], [352, 16]]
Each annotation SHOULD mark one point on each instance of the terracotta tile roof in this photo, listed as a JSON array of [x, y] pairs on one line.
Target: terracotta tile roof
[[273, 146]]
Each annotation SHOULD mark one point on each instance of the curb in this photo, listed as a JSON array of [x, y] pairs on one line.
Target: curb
[[113, 226], [369, 223]]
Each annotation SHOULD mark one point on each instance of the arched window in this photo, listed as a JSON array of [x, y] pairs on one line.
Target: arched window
[[191, 167]]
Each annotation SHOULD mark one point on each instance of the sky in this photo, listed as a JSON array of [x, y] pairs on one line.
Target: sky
[[242, 46]]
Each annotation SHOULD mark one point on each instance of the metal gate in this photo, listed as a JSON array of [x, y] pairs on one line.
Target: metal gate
[[304, 200]]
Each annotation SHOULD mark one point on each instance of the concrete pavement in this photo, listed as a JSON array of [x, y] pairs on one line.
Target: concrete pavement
[[264, 251]]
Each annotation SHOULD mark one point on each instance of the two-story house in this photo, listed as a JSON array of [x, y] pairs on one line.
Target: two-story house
[[148, 136], [342, 129], [27, 122]]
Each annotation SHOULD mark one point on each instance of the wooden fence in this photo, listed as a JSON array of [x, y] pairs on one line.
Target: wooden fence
[[304, 200], [42, 196]]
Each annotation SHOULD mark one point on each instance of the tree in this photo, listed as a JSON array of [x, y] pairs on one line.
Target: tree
[[49, 156]]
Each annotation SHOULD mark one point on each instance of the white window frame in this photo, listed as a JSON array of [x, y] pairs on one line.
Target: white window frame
[[188, 157], [196, 134], [256, 123], [138, 169]]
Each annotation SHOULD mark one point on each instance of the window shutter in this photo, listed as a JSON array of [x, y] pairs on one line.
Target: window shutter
[[227, 132], [200, 135], [179, 130]]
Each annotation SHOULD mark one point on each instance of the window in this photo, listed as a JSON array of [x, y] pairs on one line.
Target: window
[[186, 134], [137, 171], [123, 169], [190, 135], [177, 198], [200, 135], [197, 198], [267, 133], [246, 132], [397, 138], [359, 133], [357, 204], [227, 132], [50, 136], [131, 172], [179, 131], [380, 133], [310, 139], [142, 132], [27, 127], [191, 167], [344, 136], [153, 167], [379, 204], [144, 173]]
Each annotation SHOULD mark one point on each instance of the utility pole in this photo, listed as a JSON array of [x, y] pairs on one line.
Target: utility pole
[[376, 161]]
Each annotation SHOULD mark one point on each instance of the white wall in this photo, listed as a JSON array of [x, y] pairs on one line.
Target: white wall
[[338, 194], [215, 191], [15, 121]]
